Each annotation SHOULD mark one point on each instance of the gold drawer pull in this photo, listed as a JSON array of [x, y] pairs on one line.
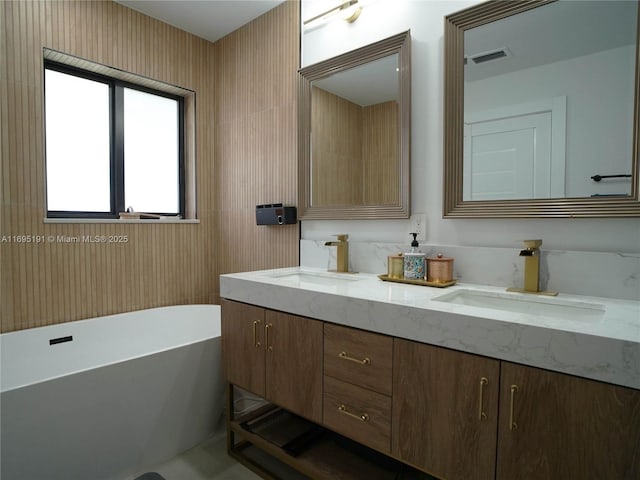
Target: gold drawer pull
[[267, 329], [512, 425], [481, 415], [256, 343], [363, 418], [344, 356]]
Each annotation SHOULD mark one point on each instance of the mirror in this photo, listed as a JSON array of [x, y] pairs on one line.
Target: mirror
[[541, 110], [354, 133]]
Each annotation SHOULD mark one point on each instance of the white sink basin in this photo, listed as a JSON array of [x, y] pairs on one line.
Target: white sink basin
[[317, 278], [526, 303]]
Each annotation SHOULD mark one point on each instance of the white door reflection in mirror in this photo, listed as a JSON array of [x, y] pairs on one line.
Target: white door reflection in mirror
[[503, 156], [582, 51], [516, 152]]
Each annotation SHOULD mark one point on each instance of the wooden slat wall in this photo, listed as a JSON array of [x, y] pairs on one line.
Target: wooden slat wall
[[53, 282], [256, 148], [380, 153], [251, 111], [336, 150], [354, 151]]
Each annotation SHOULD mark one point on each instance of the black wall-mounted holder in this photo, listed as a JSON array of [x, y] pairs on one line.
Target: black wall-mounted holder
[[275, 214]]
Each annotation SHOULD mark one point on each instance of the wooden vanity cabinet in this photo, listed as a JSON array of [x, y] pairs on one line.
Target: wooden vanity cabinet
[[550, 426], [243, 353], [275, 355], [357, 385], [557, 426], [445, 411], [358, 413], [294, 364], [454, 415]]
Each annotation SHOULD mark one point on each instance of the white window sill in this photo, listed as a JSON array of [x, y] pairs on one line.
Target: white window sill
[[121, 221]]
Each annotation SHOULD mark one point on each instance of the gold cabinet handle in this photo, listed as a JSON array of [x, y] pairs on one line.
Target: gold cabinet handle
[[512, 425], [363, 418], [267, 329], [481, 415], [344, 356], [256, 343]]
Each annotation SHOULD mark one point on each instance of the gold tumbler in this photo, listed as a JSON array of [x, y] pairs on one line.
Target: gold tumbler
[[395, 266]]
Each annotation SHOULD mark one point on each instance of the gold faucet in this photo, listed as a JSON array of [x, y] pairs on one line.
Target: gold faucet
[[342, 245], [531, 255]]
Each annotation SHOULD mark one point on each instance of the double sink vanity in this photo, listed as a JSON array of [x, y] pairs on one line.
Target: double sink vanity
[[364, 379], [468, 382]]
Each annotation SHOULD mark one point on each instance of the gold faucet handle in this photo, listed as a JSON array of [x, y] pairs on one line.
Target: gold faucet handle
[[342, 237], [532, 243]]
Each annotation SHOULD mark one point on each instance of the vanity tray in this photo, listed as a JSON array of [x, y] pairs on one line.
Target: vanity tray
[[412, 281]]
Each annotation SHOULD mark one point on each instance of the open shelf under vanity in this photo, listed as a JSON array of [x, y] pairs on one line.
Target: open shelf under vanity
[[312, 451]]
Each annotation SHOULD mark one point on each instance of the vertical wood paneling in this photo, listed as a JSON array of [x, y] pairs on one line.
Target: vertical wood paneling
[[380, 153], [255, 148], [354, 152], [6, 303], [254, 70], [55, 281], [336, 150]]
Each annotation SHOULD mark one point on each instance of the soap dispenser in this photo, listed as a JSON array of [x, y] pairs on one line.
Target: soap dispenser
[[414, 261]]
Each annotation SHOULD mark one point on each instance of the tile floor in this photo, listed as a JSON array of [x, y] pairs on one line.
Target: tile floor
[[210, 461], [207, 461]]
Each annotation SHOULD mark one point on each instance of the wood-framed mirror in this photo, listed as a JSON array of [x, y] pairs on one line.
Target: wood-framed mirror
[[354, 133], [550, 132]]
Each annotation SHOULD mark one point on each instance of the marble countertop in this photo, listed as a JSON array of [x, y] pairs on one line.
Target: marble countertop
[[603, 347]]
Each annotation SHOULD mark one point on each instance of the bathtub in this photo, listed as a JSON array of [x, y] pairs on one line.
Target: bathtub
[[108, 397]]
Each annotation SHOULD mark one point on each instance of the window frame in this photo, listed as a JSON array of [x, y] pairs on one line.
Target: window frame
[[116, 143]]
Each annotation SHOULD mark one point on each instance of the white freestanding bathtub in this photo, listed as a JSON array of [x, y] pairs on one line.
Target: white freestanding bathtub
[[111, 396]]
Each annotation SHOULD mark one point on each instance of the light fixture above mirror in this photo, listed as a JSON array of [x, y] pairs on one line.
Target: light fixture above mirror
[[523, 138], [349, 10]]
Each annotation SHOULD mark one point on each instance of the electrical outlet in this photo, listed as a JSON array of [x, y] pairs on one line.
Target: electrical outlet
[[418, 223]]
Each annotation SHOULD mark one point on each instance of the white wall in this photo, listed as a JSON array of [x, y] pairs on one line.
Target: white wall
[[425, 19], [591, 113]]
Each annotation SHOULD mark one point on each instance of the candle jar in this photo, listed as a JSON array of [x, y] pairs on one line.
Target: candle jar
[[440, 269]]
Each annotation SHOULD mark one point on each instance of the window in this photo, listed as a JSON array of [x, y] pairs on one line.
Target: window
[[110, 145]]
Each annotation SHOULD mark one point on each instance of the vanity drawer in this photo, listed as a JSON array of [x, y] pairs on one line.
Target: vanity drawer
[[358, 357], [358, 413]]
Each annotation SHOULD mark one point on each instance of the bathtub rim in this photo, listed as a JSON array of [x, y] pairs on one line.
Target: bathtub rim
[[13, 385]]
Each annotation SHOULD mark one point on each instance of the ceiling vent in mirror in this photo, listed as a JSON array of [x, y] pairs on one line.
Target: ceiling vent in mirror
[[502, 52]]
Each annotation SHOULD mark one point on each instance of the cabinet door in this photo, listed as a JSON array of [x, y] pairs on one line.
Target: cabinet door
[[294, 364], [444, 413], [557, 426], [243, 346]]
